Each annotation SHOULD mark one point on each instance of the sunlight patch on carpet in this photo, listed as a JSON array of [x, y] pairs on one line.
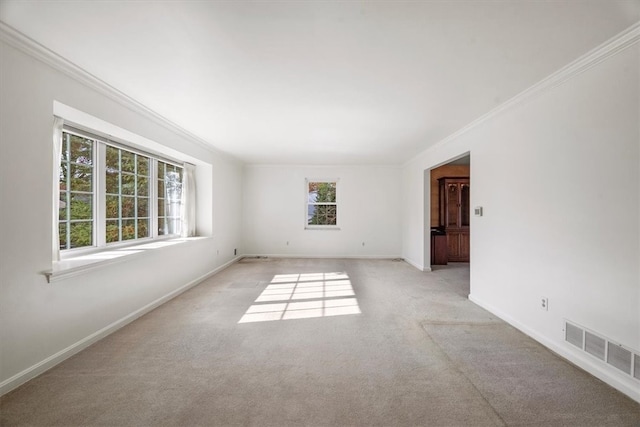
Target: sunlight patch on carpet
[[304, 296]]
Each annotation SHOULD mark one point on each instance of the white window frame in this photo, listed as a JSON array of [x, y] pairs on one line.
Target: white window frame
[[337, 203], [100, 144]]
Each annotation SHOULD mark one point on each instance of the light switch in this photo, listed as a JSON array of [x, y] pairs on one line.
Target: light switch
[[477, 211]]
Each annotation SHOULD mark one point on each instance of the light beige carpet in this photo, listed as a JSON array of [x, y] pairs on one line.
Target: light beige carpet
[[319, 343]]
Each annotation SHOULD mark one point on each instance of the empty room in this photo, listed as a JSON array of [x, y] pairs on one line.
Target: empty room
[[320, 213]]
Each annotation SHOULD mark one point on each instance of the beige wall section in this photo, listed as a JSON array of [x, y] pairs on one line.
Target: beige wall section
[[458, 171]]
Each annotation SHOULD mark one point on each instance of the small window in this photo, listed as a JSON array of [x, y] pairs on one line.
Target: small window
[[322, 206]]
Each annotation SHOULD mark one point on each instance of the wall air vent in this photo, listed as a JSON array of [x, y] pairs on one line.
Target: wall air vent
[[614, 354], [574, 335], [595, 346], [619, 357]]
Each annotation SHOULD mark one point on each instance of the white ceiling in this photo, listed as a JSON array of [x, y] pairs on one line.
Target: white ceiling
[[310, 82]]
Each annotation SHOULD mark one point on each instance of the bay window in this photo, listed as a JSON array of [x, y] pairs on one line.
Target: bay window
[[111, 193]]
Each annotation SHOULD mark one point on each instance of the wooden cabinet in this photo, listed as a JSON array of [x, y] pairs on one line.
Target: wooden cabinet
[[439, 251], [454, 216]]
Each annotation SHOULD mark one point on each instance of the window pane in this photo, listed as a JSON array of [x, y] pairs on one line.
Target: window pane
[[113, 207], [143, 228], [81, 178], [81, 150], [172, 208], [143, 186], [62, 234], [143, 207], [173, 225], [128, 229], [76, 192], [332, 214], [64, 171], [161, 227], [173, 185], [112, 231], [128, 184], [62, 213], [323, 215], [65, 147], [128, 161], [161, 207], [143, 166], [326, 191], [161, 188], [81, 234], [113, 181], [81, 206], [161, 170], [113, 158], [128, 207]]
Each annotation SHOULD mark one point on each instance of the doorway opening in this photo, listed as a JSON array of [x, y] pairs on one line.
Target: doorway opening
[[450, 213]]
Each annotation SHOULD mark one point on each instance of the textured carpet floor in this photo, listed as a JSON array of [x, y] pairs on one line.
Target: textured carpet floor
[[274, 343]]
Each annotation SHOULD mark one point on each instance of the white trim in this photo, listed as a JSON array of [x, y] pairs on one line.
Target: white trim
[[321, 166], [16, 39], [90, 260], [577, 357], [51, 361], [308, 226], [303, 256], [417, 265], [613, 46], [321, 227]]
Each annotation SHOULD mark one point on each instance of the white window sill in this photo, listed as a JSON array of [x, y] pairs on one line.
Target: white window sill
[[322, 227], [70, 267]]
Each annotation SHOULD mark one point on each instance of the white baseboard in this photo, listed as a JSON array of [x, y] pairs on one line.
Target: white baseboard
[[417, 265], [51, 361], [627, 386], [303, 256]]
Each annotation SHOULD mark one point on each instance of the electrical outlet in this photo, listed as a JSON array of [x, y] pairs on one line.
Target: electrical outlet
[[362, 243], [544, 303], [287, 243]]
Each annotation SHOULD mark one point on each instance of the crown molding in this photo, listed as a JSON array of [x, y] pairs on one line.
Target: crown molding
[[320, 166], [611, 47], [16, 39]]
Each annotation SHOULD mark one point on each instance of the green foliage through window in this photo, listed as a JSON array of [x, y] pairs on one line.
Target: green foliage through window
[[127, 196], [133, 197], [322, 208], [75, 223]]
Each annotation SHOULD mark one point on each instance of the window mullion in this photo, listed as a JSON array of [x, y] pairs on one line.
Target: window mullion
[[67, 191], [153, 197], [100, 201]]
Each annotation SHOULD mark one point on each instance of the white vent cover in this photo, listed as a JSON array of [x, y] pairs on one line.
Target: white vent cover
[[574, 335], [594, 345], [614, 354], [619, 357]]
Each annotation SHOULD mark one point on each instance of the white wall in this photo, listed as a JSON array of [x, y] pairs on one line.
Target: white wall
[[39, 320], [558, 177], [368, 211]]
